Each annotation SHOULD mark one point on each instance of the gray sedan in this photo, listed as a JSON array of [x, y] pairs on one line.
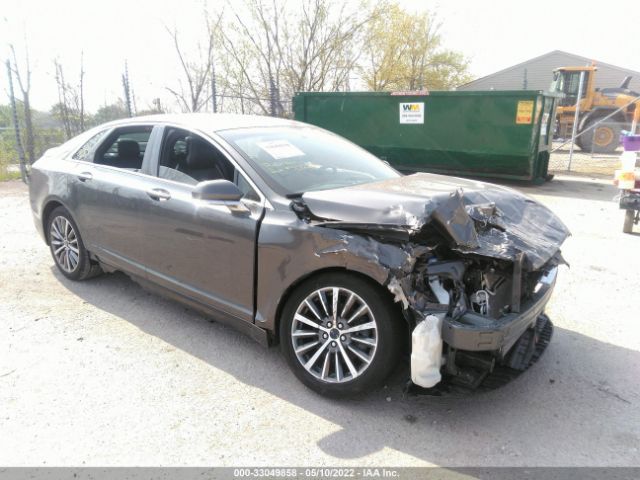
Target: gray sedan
[[300, 238]]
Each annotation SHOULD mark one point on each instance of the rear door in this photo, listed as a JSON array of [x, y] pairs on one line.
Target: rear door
[[108, 188], [201, 250]]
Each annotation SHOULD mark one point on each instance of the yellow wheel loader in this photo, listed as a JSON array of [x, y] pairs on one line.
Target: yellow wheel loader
[[595, 105]]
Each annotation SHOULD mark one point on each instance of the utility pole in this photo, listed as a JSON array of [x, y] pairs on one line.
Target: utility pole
[[16, 127], [127, 90], [576, 116]]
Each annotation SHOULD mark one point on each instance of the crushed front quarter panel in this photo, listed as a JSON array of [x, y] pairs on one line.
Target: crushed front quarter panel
[[472, 217]]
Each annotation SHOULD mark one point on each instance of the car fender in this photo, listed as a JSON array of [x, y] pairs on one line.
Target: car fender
[[290, 250]]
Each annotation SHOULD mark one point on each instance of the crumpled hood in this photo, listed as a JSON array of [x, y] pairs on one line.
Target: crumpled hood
[[474, 217]]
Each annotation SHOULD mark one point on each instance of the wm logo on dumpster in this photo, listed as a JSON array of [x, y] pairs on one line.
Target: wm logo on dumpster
[[412, 113]]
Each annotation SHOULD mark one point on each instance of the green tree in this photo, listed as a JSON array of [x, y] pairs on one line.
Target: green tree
[[47, 133], [404, 51], [107, 113]]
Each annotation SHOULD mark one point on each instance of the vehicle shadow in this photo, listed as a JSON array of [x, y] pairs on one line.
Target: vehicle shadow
[[581, 388]]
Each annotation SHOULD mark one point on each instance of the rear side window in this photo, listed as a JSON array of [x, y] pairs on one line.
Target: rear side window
[[84, 153], [124, 148]]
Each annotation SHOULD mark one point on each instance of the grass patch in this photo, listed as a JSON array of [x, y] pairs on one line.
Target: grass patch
[[6, 174]]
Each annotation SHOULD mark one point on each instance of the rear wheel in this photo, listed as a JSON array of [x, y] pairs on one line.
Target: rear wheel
[[340, 335], [67, 249], [629, 217]]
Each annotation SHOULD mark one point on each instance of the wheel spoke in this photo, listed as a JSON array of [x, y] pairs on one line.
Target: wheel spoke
[[347, 360], [348, 305], [359, 354], [73, 256], [326, 365], [55, 230], [366, 341], [307, 346], [58, 250], [359, 328], [304, 333], [360, 311], [313, 309], [334, 303], [311, 323], [339, 374], [323, 301], [315, 356], [60, 257]]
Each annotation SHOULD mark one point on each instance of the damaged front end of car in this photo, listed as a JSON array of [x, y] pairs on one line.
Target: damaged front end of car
[[473, 269]]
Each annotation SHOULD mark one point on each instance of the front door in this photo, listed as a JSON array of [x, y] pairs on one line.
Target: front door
[[202, 250]]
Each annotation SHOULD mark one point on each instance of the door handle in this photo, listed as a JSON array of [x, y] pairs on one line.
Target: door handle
[[159, 194], [84, 176]]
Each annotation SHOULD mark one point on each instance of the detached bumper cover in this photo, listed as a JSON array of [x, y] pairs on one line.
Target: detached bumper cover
[[476, 333]]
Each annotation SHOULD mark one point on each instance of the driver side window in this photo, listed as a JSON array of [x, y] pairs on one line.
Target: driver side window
[[188, 158]]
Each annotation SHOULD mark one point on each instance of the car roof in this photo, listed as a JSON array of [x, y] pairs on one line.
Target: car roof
[[211, 122]]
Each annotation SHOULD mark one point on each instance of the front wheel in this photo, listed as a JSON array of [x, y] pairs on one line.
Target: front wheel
[[605, 138], [67, 249], [341, 334]]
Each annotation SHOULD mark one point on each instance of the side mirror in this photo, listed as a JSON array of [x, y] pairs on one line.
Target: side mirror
[[218, 191]]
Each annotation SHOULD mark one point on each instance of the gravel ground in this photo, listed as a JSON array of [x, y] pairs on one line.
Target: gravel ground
[[598, 165], [104, 373]]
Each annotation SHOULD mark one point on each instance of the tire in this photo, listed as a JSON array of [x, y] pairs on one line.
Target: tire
[[67, 249], [605, 138], [372, 353], [629, 217]]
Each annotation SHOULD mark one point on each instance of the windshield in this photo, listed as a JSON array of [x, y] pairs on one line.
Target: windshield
[[294, 160]]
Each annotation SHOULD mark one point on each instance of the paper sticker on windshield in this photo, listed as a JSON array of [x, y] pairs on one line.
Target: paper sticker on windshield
[[281, 149]]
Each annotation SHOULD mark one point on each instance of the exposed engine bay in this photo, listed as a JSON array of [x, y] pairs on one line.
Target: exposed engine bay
[[477, 265]]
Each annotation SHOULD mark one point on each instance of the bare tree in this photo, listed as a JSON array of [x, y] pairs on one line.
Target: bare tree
[[81, 88], [275, 49], [198, 72], [62, 109], [16, 125], [70, 107], [255, 49], [324, 50], [24, 82]]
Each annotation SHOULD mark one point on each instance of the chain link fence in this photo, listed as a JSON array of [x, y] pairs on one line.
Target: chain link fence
[[596, 152]]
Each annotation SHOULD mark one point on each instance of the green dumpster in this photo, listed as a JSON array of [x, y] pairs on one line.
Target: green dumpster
[[501, 134]]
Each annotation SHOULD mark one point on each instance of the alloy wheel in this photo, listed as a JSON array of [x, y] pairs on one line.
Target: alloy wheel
[[64, 244], [334, 334]]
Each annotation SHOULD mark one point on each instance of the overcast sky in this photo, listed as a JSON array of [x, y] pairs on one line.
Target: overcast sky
[[493, 34]]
